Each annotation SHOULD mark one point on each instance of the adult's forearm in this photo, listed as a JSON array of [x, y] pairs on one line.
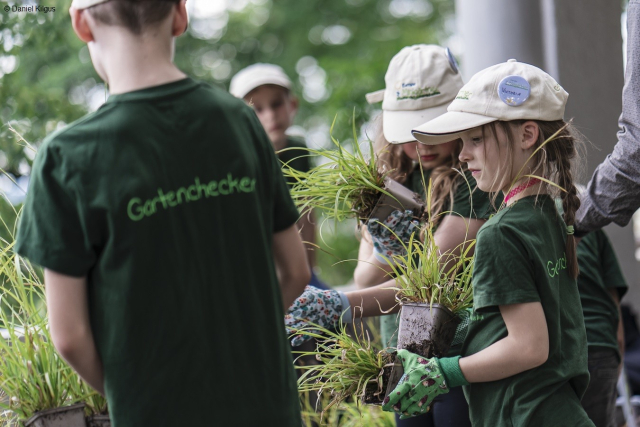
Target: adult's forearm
[[613, 193], [375, 301]]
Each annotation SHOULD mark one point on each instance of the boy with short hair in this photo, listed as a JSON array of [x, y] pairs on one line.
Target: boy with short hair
[[267, 88], [141, 214]]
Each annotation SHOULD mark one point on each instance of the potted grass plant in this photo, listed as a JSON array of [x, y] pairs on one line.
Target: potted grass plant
[[351, 367], [348, 414], [349, 184]]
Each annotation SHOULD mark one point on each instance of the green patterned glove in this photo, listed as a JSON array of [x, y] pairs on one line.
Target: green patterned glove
[[423, 380]]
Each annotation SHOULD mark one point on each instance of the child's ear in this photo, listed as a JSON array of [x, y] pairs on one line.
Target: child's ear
[[530, 133], [180, 19], [80, 25], [294, 104]]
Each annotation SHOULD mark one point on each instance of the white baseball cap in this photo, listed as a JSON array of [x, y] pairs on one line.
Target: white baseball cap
[[84, 4], [508, 91], [420, 82], [256, 75]]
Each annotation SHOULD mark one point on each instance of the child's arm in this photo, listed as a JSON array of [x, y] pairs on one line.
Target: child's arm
[[369, 271], [291, 264], [307, 227], [68, 309], [525, 347]]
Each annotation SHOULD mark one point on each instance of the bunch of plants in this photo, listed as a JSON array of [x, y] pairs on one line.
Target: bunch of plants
[[351, 367], [348, 414], [36, 384], [349, 184]]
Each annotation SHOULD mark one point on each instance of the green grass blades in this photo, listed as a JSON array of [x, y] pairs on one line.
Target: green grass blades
[[350, 366], [346, 185], [347, 414]]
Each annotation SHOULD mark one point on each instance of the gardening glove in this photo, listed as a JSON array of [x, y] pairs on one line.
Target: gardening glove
[[390, 236], [463, 326], [423, 380], [324, 308]]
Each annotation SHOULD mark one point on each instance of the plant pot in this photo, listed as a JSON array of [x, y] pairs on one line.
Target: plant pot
[[65, 416], [406, 200], [426, 329], [99, 421], [373, 394]]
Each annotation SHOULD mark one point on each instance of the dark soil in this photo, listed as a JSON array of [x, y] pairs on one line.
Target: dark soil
[[441, 337], [374, 393]]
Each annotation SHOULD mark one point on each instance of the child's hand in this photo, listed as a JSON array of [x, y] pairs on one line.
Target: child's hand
[[324, 308], [422, 382], [390, 236]]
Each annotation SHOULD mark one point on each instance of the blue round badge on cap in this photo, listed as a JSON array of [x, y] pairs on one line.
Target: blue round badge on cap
[[514, 90]]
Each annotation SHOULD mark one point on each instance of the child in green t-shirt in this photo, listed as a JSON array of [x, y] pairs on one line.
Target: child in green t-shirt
[[140, 214], [268, 89], [524, 359]]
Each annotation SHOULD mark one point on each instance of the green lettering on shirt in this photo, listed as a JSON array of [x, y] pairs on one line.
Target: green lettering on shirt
[[137, 209], [554, 268]]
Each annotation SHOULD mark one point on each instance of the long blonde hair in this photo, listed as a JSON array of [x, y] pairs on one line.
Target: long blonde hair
[[393, 161], [555, 161]]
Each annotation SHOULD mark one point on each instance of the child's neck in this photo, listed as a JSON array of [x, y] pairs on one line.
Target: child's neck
[[136, 62], [531, 190]]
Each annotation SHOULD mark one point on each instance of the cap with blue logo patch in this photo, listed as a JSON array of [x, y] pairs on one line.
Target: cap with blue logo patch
[[508, 91]]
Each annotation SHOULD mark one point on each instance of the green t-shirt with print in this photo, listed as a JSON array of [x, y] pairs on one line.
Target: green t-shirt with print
[[520, 258], [296, 159], [167, 199], [469, 202], [599, 273]]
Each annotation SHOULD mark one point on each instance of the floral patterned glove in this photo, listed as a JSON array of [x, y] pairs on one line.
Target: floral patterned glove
[[324, 308], [423, 380], [388, 236]]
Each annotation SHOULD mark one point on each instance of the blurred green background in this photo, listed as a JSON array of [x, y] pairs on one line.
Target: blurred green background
[[334, 51]]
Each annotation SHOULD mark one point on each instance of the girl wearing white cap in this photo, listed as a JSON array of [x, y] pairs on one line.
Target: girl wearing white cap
[[420, 82], [524, 359]]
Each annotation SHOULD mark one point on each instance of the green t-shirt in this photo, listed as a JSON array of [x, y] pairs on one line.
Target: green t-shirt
[[296, 159], [599, 272], [167, 199], [520, 258], [469, 202]]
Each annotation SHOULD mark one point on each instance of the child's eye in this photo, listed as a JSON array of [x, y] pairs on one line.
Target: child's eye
[[476, 140]]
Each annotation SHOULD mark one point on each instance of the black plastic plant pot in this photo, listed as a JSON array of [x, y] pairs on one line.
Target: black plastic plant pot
[[66, 416], [405, 199], [426, 329], [99, 421]]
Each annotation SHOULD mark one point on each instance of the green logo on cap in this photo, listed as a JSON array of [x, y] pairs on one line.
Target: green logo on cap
[[409, 91], [464, 95]]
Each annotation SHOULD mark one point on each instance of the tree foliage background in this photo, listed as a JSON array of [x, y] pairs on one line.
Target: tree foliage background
[[334, 51]]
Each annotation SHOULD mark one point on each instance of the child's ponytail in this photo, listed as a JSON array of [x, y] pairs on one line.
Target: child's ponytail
[[557, 162]]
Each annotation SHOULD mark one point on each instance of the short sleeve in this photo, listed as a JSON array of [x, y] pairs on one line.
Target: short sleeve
[[54, 231], [503, 271], [285, 213], [611, 272], [469, 201]]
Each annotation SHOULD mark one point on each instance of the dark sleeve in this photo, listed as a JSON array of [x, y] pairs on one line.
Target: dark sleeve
[[612, 194], [54, 230], [469, 201], [503, 272], [611, 272], [285, 213]]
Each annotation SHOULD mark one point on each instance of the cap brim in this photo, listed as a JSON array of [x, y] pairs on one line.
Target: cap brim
[[397, 124], [449, 126], [84, 4], [266, 80]]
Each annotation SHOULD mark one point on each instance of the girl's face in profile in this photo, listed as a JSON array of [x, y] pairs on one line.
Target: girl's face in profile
[[486, 158], [430, 156]]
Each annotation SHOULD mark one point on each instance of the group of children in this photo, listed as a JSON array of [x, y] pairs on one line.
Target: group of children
[[140, 308], [539, 329]]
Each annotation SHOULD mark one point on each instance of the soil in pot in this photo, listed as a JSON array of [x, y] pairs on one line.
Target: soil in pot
[[67, 416], [381, 208], [426, 330], [374, 394]]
